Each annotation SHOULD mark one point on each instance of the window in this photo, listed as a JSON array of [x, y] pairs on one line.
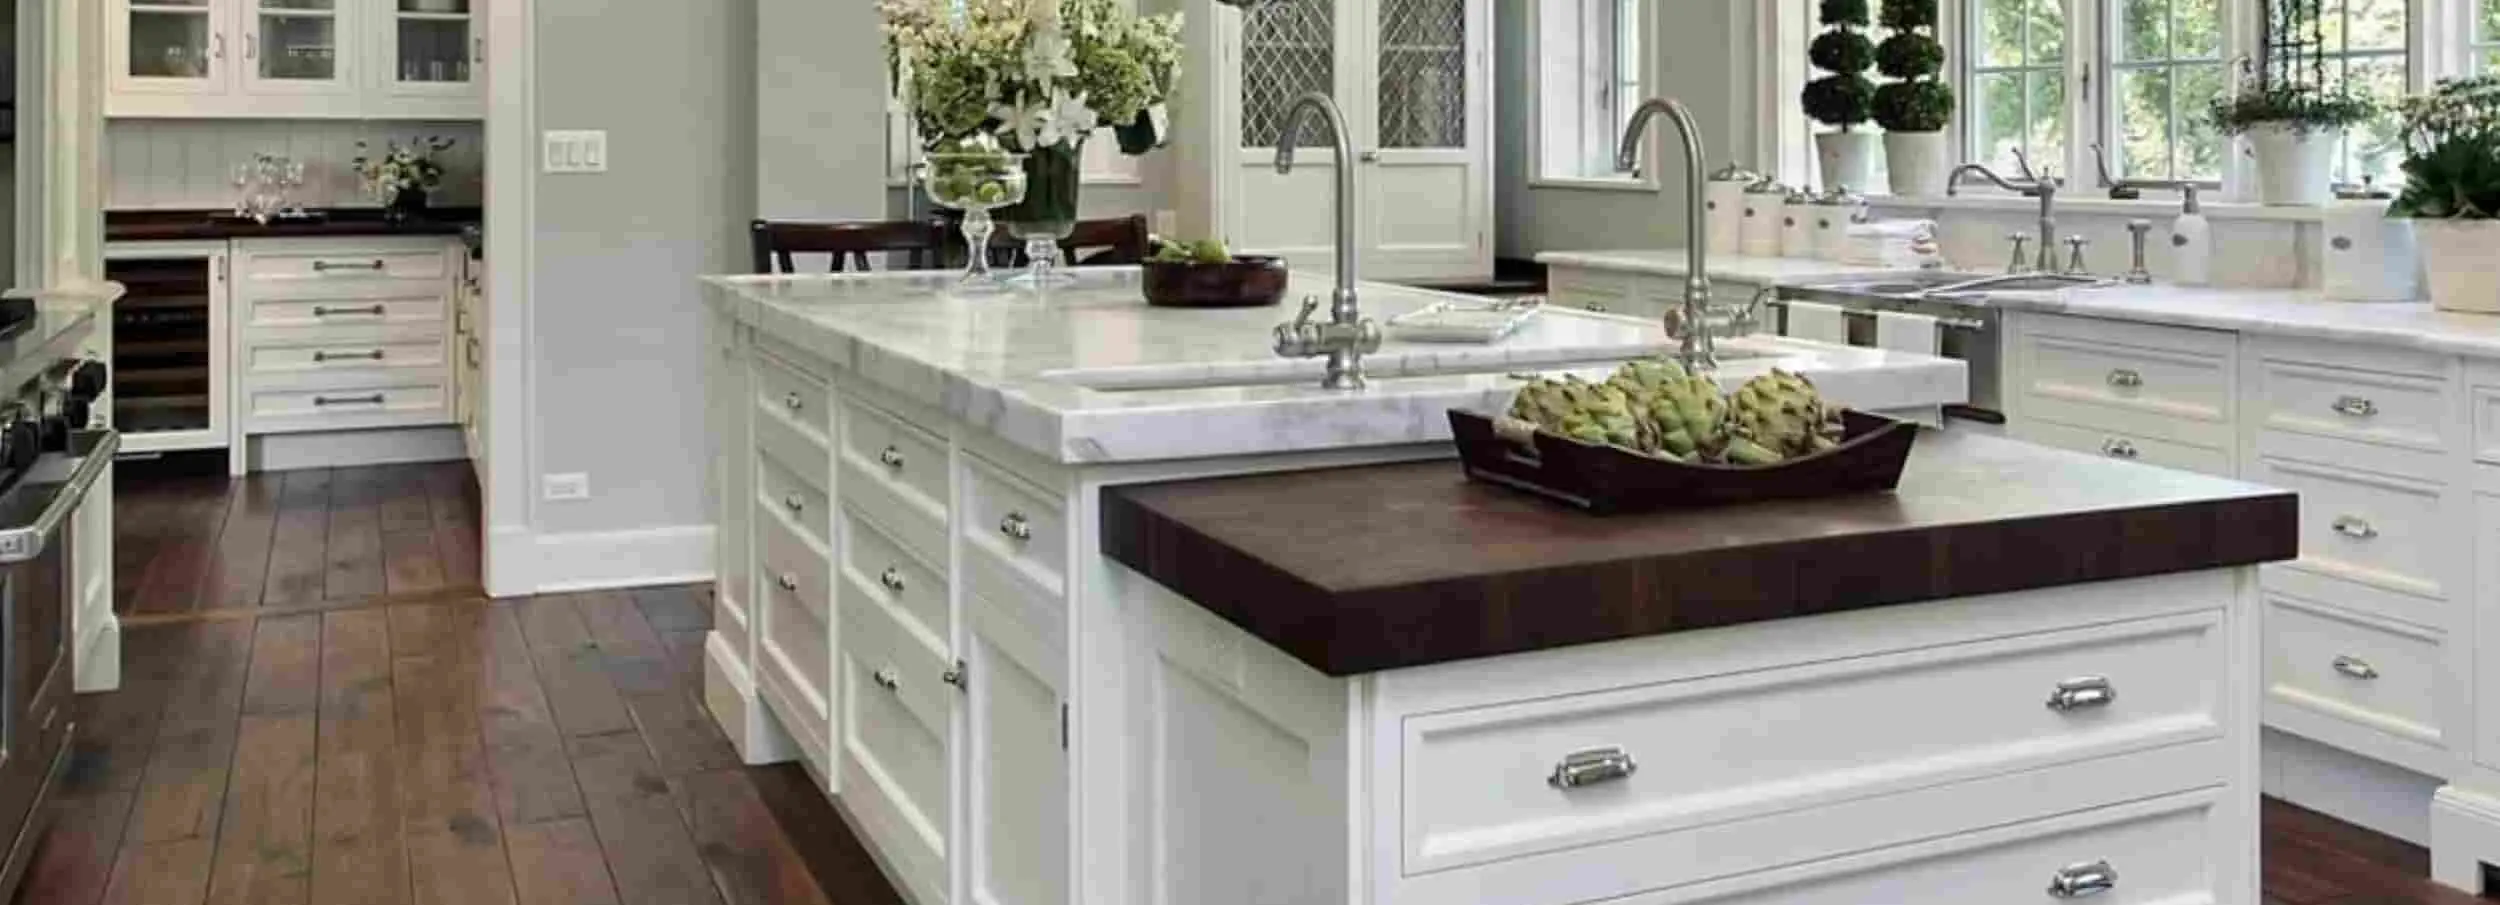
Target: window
[[2016, 91], [2487, 36], [2365, 47], [1591, 72], [2166, 65]]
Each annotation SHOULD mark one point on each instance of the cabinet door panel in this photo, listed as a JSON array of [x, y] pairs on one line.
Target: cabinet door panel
[[1017, 767], [297, 47], [169, 47]]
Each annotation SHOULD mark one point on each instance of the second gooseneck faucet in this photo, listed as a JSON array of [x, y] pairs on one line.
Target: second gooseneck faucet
[[1691, 326], [2035, 184], [1347, 336]]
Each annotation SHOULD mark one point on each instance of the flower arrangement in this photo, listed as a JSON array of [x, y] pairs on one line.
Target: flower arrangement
[[1033, 74], [2452, 152], [402, 171]]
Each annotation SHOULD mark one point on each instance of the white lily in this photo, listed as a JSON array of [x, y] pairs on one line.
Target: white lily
[[1048, 55]]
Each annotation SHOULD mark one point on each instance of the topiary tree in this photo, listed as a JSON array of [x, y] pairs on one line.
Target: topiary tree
[[1844, 97], [1916, 100]]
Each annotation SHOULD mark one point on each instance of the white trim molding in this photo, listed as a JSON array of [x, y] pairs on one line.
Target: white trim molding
[[597, 560], [2465, 835], [511, 225]]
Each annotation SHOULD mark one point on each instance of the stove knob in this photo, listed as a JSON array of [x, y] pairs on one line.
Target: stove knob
[[21, 437], [87, 379], [80, 383]]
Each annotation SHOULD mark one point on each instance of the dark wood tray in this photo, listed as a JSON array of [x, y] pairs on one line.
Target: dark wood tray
[[1605, 480], [1244, 282]]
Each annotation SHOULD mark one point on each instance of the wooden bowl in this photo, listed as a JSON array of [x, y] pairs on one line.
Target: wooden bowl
[[1243, 282], [1606, 480]]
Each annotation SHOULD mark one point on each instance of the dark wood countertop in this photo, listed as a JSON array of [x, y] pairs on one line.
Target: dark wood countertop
[[163, 226], [1363, 569]]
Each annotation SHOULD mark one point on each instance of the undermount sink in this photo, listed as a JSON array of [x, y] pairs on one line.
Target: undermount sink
[[1149, 378], [1939, 284]]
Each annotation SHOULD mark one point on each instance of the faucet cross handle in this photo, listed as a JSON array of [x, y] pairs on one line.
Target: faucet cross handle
[[2021, 241], [2074, 262]]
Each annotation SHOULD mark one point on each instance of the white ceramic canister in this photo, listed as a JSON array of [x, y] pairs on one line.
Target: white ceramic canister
[[2368, 257], [1834, 212], [1724, 202], [1797, 224], [1765, 203]]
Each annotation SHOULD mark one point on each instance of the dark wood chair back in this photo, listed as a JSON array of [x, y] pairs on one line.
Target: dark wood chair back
[[1123, 240], [777, 244]]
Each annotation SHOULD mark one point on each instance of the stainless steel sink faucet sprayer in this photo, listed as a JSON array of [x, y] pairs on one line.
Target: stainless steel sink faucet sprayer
[[1347, 336], [1691, 326]]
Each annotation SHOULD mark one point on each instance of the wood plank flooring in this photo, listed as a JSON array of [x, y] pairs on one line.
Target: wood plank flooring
[[318, 709]]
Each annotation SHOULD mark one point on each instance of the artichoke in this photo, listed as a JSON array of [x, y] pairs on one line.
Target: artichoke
[[1780, 416], [1683, 412], [1583, 411]]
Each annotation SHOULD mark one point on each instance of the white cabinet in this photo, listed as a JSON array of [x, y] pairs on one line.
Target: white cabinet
[[364, 59], [468, 365], [1414, 81], [343, 334]]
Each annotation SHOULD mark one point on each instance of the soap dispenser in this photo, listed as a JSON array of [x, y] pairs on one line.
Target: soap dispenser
[[2191, 243]]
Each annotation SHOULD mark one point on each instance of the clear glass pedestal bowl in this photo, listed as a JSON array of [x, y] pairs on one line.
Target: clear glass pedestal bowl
[[976, 183]]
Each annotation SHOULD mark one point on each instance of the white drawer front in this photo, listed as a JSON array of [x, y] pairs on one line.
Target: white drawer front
[[1015, 529], [897, 474], [1592, 290], [2169, 851], [894, 742], [2379, 530], [2487, 424], [796, 632], [347, 265], [783, 487], [2169, 382], [2398, 410], [875, 567], [1479, 785], [297, 358], [2373, 673], [397, 310], [800, 400], [379, 401], [2121, 445]]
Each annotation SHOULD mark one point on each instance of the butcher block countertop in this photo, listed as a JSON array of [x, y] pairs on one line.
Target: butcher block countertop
[[1358, 570]]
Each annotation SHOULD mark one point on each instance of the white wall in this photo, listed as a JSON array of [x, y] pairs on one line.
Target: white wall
[[1703, 53], [820, 135], [180, 164]]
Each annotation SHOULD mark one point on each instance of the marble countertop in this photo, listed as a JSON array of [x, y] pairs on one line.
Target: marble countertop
[[1086, 374], [1672, 262]]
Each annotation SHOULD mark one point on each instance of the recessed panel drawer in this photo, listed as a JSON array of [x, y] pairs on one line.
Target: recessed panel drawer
[[2379, 530], [2378, 674], [347, 265], [2121, 445], [1493, 783], [2384, 409], [373, 401], [2166, 382], [796, 630], [396, 310], [875, 567], [781, 391], [894, 749], [1014, 529], [896, 474], [291, 357], [781, 488]]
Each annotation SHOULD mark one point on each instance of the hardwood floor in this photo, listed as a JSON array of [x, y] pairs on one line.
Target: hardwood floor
[[319, 709]]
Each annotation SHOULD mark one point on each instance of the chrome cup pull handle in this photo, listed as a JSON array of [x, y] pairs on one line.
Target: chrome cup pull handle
[[2075, 881], [891, 579], [793, 402], [2355, 407], [794, 504], [358, 310], [1016, 527], [2355, 527], [2117, 448], [891, 458], [1592, 767], [2126, 378], [2082, 694], [2355, 667], [788, 582], [887, 679]]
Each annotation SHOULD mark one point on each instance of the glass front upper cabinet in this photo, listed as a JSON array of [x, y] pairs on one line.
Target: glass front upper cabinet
[[175, 45], [434, 46], [295, 45]]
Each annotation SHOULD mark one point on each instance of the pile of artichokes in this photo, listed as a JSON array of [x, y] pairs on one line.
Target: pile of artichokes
[[1655, 408]]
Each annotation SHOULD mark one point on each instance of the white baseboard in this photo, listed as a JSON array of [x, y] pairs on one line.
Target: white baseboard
[[729, 694], [2357, 790], [343, 449], [522, 562], [2465, 835], [96, 664]]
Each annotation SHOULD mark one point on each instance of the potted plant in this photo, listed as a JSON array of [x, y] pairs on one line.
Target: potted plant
[[1843, 98], [1038, 77], [2295, 131], [403, 176], [2452, 190], [1915, 107]]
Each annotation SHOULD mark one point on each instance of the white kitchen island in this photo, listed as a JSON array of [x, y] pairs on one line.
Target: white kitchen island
[[915, 603]]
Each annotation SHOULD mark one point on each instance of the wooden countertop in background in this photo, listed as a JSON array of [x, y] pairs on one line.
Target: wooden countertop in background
[[163, 226], [1364, 569]]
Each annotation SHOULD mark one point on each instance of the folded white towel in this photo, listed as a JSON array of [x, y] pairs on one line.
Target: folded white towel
[[1904, 332], [1818, 322], [1899, 244]]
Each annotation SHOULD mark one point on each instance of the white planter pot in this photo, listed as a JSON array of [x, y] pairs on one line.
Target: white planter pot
[[2461, 261], [1921, 163], [2369, 256], [2295, 167], [1848, 159]]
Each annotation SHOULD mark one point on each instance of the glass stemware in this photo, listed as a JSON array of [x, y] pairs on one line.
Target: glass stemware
[[976, 183]]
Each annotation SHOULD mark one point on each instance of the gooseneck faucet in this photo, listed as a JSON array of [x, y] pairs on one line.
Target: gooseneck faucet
[[1691, 326], [2034, 184], [1347, 336]]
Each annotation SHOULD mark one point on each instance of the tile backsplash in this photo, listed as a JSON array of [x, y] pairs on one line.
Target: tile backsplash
[[184, 164]]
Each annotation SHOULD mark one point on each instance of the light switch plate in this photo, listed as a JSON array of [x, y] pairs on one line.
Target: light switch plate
[[575, 151], [573, 486]]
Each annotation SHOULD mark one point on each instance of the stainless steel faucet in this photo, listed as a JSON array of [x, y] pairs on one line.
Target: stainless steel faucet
[[1347, 336], [1691, 327], [2034, 184]]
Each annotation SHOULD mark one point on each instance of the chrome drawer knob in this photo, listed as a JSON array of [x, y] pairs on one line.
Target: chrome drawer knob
[[793, 402], [2355, 527], [958, 676], [2126, 378], [887, 679], [1592, 767], [2119, 449], [2082, 694], [789, 582], [2075, 881], [1598, 307], [2355, 407], [2355, 667], [891, 579], [1016, 527], [891, 458]]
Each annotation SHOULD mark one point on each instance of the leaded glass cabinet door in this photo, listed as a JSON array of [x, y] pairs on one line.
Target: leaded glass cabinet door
[[171, 46], [297, 47], [1424, 175], [1288, 50]]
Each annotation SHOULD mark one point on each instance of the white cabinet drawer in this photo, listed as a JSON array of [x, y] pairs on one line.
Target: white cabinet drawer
[[785, 487], [1479, 784], [2383, 531], [2371, 673], [2172, 850], [894, 747], [2487, 421], [1014, 530], [297, 357], [897, 474], [2120, 445], [348, 264], [875, 567], [2167, 382], [2405, 411], [1592, 290], [421, 308], [800, 400], [795, 633], [369, 401]]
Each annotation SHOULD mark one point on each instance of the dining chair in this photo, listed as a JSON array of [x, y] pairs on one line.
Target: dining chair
[[778, 243]]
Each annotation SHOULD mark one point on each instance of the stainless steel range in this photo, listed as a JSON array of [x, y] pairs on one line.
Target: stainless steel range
[[49, 461]]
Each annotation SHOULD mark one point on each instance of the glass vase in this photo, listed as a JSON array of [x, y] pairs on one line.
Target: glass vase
[[976, 183], [1053, 178]]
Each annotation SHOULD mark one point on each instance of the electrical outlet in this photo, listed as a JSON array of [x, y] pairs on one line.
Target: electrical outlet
[[575, 151], [575, 486]]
